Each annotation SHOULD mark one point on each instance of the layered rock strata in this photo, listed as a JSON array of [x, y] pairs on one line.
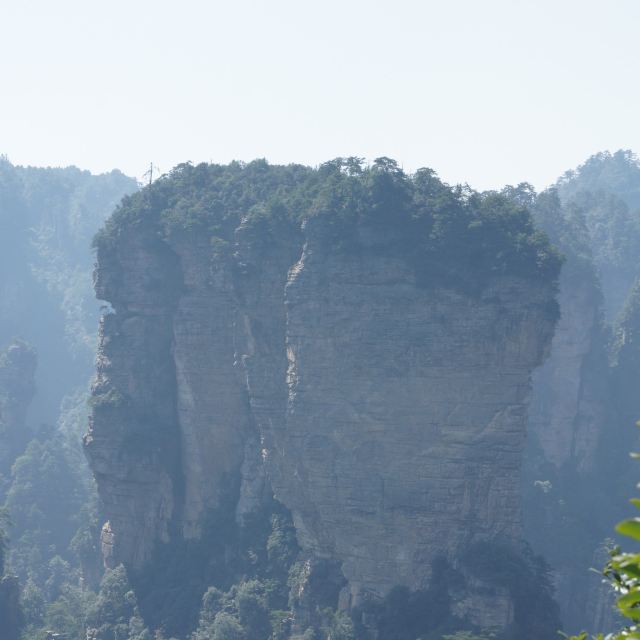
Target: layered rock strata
[[389, 417]]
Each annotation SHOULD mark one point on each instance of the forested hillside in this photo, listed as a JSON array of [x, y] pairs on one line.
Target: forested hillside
[[48, 320]]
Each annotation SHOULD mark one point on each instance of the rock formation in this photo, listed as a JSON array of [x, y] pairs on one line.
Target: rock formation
[[388, 414]]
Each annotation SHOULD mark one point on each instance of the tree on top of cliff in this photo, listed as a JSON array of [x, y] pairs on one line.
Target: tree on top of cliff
[[444, 231]]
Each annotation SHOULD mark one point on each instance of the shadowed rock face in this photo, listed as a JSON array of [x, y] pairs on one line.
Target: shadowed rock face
[[568, 403], [388, 417], [563, 459]]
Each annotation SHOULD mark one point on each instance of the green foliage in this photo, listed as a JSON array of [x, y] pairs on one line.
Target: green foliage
[[617, 173], [47, 218], [33, 604], [213, 602], [604, 193], [457, 234], [241, 570], [253, 611], [114, 615], [566, 227], [111, 399], [337, 625], [44, 520], [227, 627], [67, 614]]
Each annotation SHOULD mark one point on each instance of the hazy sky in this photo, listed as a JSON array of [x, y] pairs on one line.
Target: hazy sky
[[484, 91]]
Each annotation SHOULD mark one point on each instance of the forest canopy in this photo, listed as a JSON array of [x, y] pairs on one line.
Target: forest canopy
[[450, 232]]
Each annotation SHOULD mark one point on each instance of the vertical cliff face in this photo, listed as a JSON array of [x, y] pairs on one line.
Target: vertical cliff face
[[385, 411], [563, 458], [134, 439], [391, 417], [212, 403], [405, 415], [171, 415], [568, 405]]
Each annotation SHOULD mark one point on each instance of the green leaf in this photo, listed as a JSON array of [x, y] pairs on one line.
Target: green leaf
[[630, 599], [630, 528]]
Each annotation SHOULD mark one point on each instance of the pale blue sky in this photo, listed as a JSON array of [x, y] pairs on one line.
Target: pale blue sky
[[484, 91]]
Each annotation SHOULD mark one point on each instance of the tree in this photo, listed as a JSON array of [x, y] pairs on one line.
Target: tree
[[253, 612], [115, 615], [227, 627], [338, 626]]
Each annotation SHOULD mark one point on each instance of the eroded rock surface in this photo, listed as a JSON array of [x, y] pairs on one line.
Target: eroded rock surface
[[389, 417]]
